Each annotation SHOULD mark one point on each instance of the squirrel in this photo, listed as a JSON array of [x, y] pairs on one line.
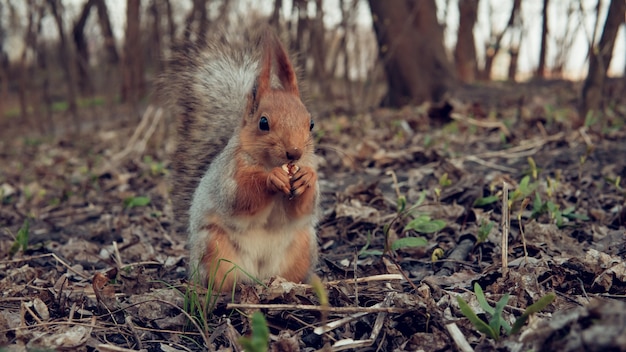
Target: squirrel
[[244, 168]]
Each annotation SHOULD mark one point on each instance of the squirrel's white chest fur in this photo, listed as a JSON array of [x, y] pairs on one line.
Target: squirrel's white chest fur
[[263, 239]]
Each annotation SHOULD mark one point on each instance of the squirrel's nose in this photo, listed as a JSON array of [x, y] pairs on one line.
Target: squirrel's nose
[[293, 154]]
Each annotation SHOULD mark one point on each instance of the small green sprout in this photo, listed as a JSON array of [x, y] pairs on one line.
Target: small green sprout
[[493, 328]]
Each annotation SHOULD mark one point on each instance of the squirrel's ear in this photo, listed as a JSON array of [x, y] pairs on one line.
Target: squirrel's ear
[[263, 82], [286, 74]]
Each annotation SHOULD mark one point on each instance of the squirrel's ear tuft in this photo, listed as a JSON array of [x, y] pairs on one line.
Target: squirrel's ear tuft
[[286, 74], [272, 47], [263, 81]]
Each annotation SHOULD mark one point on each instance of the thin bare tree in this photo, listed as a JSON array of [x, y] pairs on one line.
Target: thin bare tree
[[82, 52], [564, 43], [275, 17], [541, 67], [133, 84], [156, 44], [600, 59], [4, 64], [465, 49], [494, 44], [113, 56], [171, 25], [198, 18], [66, 58]]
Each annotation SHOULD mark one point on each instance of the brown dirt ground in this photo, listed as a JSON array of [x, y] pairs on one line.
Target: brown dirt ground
[[100, 274]]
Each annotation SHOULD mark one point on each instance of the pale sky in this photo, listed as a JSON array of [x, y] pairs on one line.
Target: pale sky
[[576, 63]]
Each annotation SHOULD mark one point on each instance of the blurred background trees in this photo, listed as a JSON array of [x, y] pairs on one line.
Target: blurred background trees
[[70, 64]]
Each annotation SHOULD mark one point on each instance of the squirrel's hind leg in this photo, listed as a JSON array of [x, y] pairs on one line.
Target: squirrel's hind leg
[[218, 261], [299, 257]]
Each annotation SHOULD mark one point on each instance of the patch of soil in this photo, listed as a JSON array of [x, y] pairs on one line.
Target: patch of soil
[[413, 216]]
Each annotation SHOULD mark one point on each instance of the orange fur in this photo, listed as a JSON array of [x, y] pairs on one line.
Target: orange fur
[[297, 262], [220, 250], [303, 204], [252, 191]]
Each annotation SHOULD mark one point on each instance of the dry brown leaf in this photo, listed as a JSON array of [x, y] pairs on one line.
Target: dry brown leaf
[[356, 211]]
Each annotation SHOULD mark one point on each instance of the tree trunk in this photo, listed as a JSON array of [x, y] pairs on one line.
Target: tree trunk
[[44, 74], [465, 49], [198, 13], [4, 65], [317, 49], [298, 45], [513, 59], [171, 26], [275, 17], [541, 68], [516, 40], [600, 58], [82, 51], [25, 77], [410, 42], [107, 32], [156, 43], [133, 85], [203, 22], [65, 59]]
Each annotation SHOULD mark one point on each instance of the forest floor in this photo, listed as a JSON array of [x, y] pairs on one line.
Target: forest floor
[[413, 218]]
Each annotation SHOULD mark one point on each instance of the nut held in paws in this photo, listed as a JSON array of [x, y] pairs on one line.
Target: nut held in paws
[[291, 169]]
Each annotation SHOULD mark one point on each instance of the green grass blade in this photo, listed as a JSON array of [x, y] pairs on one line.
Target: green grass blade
[[496, 320], [474, 319], [408, 242], [532, 309], [482, 301], [21, 239]]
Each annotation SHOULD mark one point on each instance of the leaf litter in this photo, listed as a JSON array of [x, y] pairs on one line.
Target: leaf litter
[[103, 267]]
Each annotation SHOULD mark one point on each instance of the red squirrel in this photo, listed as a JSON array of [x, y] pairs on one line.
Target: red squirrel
[[244, 169]]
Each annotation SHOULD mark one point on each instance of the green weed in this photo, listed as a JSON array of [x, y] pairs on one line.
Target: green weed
[[483, 201], [259, 339], [496, 323], [420, 223], [484, 230], [21, 239], [157, 168], [132, 202]]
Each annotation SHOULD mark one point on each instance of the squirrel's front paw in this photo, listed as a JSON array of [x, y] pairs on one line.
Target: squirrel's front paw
[[278, 180], [303, 179]]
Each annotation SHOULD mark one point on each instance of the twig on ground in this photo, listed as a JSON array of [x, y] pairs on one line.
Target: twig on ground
[[316, 308], [337, 323], [585, 136], [490, 164], [113, 348], [383, 277], [458, 338], [521, 228], [486, 124], [506, 223]]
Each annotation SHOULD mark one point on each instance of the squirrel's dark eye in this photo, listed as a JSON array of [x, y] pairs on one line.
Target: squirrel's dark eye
[[264, 125], [312, 125]]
